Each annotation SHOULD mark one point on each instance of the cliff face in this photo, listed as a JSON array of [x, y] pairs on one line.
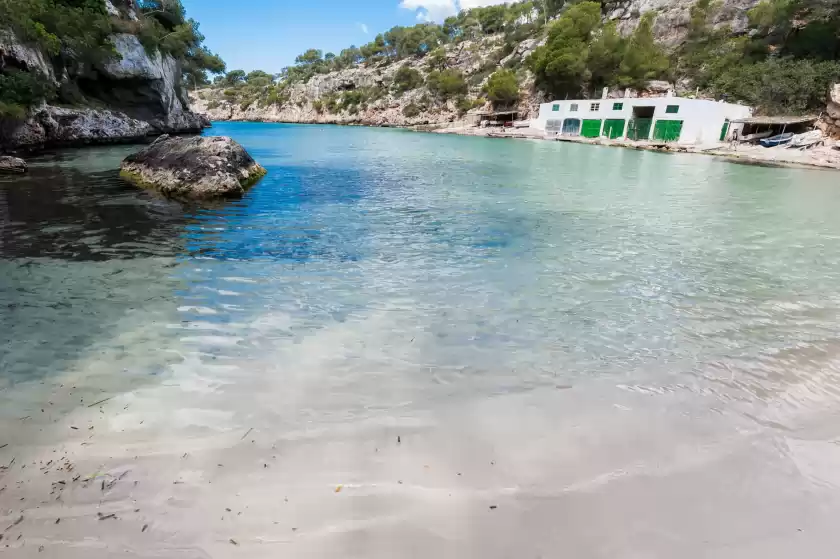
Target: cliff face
[[475, 59], [130, 97], [673, 16]]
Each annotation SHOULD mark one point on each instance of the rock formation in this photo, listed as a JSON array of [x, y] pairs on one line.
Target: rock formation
[[193, 168], [132, 96], [10, 164], [830, 120], [475, 59]]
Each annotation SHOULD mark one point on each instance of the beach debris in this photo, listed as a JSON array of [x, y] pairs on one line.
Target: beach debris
[[246, 434], [100, 402], [338, 488], [74, 427], [145, 527], [106, 516], [15, 523], [57, 520], [493, 507], [40, 548], [233, 541], [399, 440], [2, 446]]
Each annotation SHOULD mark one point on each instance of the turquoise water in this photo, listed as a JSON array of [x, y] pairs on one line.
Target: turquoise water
[[516, 293]]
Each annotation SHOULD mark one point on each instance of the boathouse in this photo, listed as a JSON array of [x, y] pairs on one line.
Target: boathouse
[[660, 119]]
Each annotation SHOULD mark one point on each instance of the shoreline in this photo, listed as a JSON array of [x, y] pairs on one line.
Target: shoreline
[[821, 158]]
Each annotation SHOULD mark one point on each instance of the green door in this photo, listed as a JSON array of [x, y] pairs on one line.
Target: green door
[[591, 128], [639, 129], [614, 128], [667, 130], [724, 130]]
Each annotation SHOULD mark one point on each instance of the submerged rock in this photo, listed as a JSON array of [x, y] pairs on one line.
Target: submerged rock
[[196, 167], [10, 164]]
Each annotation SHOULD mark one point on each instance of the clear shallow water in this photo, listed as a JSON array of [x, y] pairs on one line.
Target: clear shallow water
[[580, 314]]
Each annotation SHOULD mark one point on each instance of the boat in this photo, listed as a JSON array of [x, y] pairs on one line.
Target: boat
[[807, 140], [755, 137], [777, 140]]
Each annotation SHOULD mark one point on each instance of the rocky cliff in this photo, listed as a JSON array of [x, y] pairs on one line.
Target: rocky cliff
[[309, 102], [133, 95], [673, 16], [383, 106]]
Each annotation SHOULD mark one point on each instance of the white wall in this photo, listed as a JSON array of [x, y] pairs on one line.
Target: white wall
[[702, 119]]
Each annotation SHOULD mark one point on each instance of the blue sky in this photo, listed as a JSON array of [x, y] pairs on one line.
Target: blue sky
[[268, 34]]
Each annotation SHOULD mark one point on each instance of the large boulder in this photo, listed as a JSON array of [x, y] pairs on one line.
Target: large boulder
[[197, 167], [10, 164]]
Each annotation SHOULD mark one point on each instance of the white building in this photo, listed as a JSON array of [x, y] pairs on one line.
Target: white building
[[670, 119]]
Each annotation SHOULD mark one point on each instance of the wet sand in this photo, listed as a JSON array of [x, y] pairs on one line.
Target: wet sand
[[226, 459]]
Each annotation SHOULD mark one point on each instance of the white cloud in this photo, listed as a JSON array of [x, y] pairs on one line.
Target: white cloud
[[439, 10], [469, 4], [363, 27], [431, 10]]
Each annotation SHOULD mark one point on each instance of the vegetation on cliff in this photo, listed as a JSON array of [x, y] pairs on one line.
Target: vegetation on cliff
[[74, 37], [784, 62]]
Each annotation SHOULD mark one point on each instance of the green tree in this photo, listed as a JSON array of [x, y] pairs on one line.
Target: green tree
[[502, 88], [311, 56], [643, 59], [560, 66]]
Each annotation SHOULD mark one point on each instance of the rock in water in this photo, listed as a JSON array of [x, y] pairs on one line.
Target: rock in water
[[197, 167], [10, 164]]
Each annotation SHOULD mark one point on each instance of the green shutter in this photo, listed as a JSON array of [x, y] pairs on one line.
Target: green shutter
[[618, 106], [667, 130], [555, 108], [614, 128], [639, 129], [591, 128], [724, 129], [672, 109]]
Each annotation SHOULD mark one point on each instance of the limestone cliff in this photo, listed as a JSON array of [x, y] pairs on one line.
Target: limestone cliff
[[309, 102], [475, 59], [133, 95], [673, 16]]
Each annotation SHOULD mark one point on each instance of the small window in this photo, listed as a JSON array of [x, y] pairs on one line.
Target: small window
[[595, 106], [555, 108], [672, 109], [618, 106], [573, 108]]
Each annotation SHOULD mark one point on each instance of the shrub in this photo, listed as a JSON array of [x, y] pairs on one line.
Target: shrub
[[464, 104], [318, 105], [446, 83], [502, 88], [20, 90], [777, 86], [406, 79], [411, 110]]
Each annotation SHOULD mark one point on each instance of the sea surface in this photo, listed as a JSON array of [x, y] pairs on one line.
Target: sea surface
[[402, 344]]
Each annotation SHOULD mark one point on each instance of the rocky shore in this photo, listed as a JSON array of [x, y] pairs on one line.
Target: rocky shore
[[138, 95]]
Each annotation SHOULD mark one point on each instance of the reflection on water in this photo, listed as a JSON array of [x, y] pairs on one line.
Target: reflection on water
[[504, 288]]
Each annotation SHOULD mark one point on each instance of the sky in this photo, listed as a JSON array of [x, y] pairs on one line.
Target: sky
[[268, 34]]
